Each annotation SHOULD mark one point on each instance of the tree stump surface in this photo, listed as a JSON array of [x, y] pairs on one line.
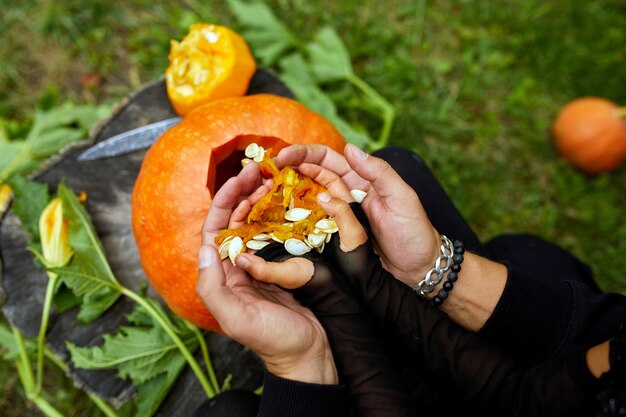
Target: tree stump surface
[[108, 184]]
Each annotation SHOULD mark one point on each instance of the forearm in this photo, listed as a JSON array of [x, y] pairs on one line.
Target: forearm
[[476, 292], [375, 386], [316, 366], [598, 359], [480, 372]]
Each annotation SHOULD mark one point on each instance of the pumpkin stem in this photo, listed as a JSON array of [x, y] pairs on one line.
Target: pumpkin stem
[[388, 112]]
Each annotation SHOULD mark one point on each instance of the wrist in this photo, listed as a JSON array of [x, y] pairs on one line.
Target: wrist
[[315, 366], [476, 292], [412, 276], [446, 258]]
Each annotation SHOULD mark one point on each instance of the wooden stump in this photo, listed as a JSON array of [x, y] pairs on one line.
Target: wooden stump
[[108, 184]]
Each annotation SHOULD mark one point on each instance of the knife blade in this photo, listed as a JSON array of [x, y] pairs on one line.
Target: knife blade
[[129, 141]]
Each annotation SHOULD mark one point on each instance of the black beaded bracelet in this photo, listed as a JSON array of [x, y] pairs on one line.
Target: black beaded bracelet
[[453, 275]]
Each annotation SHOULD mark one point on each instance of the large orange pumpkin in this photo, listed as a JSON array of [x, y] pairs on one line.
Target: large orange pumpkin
[[183, 169], [590, 132]]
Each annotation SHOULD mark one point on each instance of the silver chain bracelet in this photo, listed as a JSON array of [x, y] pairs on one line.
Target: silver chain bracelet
[[427, 285]]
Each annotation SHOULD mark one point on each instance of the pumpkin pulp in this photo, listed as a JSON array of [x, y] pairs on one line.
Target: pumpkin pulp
[[267, 217]]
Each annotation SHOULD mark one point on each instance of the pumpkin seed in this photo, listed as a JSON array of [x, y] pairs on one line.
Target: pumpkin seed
[[256, 244], [262, 236], [297, 214], [252, 150], [296, 247], [235, 248], [275, 239], [245, 161], [320, 249], [358, 195], [224, 247], [316, 240], [260, 156], [327, 225]]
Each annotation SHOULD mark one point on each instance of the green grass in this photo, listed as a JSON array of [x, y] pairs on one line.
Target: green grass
[[476, 84]]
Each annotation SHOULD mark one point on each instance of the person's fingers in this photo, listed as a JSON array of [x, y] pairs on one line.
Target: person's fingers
[[238, 218], [351, 233], [221, 209], [251, 178], [386, 182], [322, 155], [291, 274], [231, 194], [211, 287], [260, 192], [240, 214], [317, 154], [333, 183]]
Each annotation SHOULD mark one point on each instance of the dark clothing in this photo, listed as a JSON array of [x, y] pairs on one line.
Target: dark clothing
[[281, 398], [476, 374], [284, 398]]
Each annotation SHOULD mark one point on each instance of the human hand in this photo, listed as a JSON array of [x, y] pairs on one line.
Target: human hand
[[361, 359], [287, 337], [405, 239], [295, 272]]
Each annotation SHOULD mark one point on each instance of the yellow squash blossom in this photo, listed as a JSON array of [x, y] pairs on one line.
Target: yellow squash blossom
[[5, 197], [53, 229]]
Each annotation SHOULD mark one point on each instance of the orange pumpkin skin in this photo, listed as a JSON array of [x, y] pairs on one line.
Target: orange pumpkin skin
[[174, 188], [590, 133]]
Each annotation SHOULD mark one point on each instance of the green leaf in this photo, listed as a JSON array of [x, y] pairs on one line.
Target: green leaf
[[141, 317], [295, 74], [50, 141], [7, 343], [143, 353], [88, 274], [9, 346], [151, 394], [29, 200], [351, 134], [64, 299], [15, 157], [51, 131], [267, 36], [328, 56], [138, 353]]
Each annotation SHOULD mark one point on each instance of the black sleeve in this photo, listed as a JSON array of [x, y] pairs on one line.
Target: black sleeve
[[376, 388], [537, 318], [450, 356], [287, 398]]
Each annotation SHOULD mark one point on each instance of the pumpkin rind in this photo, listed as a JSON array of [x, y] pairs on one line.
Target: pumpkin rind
[[171, 195]]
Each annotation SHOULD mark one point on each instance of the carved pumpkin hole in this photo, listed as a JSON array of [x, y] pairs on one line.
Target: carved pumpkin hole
[[229, 156], [229, 167]]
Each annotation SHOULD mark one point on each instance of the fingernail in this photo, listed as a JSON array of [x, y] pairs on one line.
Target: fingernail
[[242, 261], [357, 152], [323, 197], [205, 257]]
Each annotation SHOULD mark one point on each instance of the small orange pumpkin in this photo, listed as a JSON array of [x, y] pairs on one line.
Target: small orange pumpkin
[[185, 166], [590, 132]]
